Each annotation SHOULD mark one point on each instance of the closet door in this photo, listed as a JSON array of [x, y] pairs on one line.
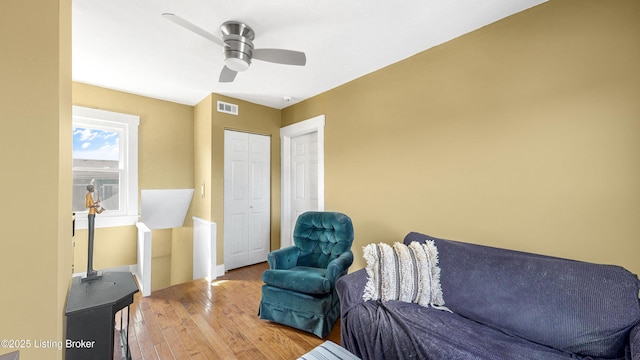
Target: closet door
[[247, 202]]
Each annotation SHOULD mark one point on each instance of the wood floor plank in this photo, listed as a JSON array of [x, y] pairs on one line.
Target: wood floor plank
[[144, 340], [175, 344], [165, 315], [134, 346], [188, 342], [152, 330], [192, 337], [216, 339], [269, 342], [164, 351]]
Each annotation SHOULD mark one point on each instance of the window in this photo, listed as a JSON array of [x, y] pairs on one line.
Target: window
[[105, 155]]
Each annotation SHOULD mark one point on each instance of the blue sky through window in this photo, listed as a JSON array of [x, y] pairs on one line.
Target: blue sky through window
[[95, 144]]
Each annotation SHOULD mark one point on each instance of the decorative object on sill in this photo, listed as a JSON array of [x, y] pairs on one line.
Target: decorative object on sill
[[94, 208]]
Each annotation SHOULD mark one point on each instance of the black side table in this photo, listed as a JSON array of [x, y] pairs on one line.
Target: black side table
[[91, 309]]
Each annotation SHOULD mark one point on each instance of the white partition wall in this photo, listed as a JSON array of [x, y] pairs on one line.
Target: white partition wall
[[204, 249], [161, 209], [143, 270]]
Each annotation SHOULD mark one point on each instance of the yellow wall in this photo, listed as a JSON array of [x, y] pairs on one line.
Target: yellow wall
[[35, 151], [165, 161], [523, 134], [181, 254], [210, 158], [202, 200]]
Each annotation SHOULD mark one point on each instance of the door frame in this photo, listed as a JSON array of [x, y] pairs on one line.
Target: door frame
[[315, 124]]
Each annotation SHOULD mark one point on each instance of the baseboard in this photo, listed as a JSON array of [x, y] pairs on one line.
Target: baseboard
[[126, 268], [219, 270], [133, 269]]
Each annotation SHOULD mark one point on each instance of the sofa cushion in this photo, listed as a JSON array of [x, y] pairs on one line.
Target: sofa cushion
[[578, 307], [403, 272]]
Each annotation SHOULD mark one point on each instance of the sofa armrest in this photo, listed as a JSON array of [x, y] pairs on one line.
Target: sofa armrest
[[339, 266], [350, 289], [284, 258], [634, 342]]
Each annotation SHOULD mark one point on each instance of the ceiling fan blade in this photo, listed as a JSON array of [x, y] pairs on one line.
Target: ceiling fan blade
[[281, 56], [192, 27], [227, 75]]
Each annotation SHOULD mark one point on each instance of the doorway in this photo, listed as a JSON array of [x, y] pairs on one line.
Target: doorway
[[247, 198], [302, 173]]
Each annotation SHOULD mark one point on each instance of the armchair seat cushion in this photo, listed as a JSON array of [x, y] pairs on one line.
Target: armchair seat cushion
[[304, 279]]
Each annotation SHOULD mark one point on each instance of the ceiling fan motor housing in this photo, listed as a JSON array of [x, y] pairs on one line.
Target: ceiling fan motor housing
[[238, 50]]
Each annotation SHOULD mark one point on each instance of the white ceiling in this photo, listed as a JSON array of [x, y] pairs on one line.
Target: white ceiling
[[127, 45]]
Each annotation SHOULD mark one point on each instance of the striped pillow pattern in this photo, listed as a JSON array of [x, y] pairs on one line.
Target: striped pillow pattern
[[402, 272]]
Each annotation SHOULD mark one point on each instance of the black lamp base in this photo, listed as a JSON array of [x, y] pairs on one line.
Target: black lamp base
[[92, 275]]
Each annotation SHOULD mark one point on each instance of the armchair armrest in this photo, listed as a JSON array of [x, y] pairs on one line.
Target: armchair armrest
[[634, 342], [338, 267], [284, 258]]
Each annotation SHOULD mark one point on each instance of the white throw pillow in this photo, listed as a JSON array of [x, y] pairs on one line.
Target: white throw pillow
[[405, 273]]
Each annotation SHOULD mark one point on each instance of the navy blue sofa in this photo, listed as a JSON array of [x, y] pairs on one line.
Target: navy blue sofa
[[505, 305]]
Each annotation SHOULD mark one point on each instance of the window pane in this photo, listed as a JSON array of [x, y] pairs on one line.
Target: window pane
[[96, 144], [106, 184], [96, 160]]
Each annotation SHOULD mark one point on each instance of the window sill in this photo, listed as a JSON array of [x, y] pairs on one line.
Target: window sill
[[106, 221]]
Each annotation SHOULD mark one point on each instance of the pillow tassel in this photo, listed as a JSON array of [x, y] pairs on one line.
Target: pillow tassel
[[437, 300], [371, 289]]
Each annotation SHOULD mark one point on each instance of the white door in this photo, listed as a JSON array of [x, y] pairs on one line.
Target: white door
[[247, 188], [304, 174]]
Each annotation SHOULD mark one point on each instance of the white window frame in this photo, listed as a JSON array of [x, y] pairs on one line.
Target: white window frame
[[96, 118]]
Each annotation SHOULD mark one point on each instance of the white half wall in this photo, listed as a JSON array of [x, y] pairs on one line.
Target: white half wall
[[204, 250], [143, 268]]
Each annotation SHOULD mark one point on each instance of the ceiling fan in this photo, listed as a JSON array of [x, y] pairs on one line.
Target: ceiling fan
[[237, 42]]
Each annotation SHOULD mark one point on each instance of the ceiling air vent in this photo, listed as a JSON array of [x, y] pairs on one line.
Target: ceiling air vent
[[227, 108]]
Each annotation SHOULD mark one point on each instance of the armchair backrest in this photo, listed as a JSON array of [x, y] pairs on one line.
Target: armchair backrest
[[322, 237]]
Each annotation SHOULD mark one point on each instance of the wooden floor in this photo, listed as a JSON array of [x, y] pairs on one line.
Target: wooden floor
[[214, 320]]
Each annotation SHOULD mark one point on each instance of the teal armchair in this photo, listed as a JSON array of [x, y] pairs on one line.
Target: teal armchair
[[299, 287]]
